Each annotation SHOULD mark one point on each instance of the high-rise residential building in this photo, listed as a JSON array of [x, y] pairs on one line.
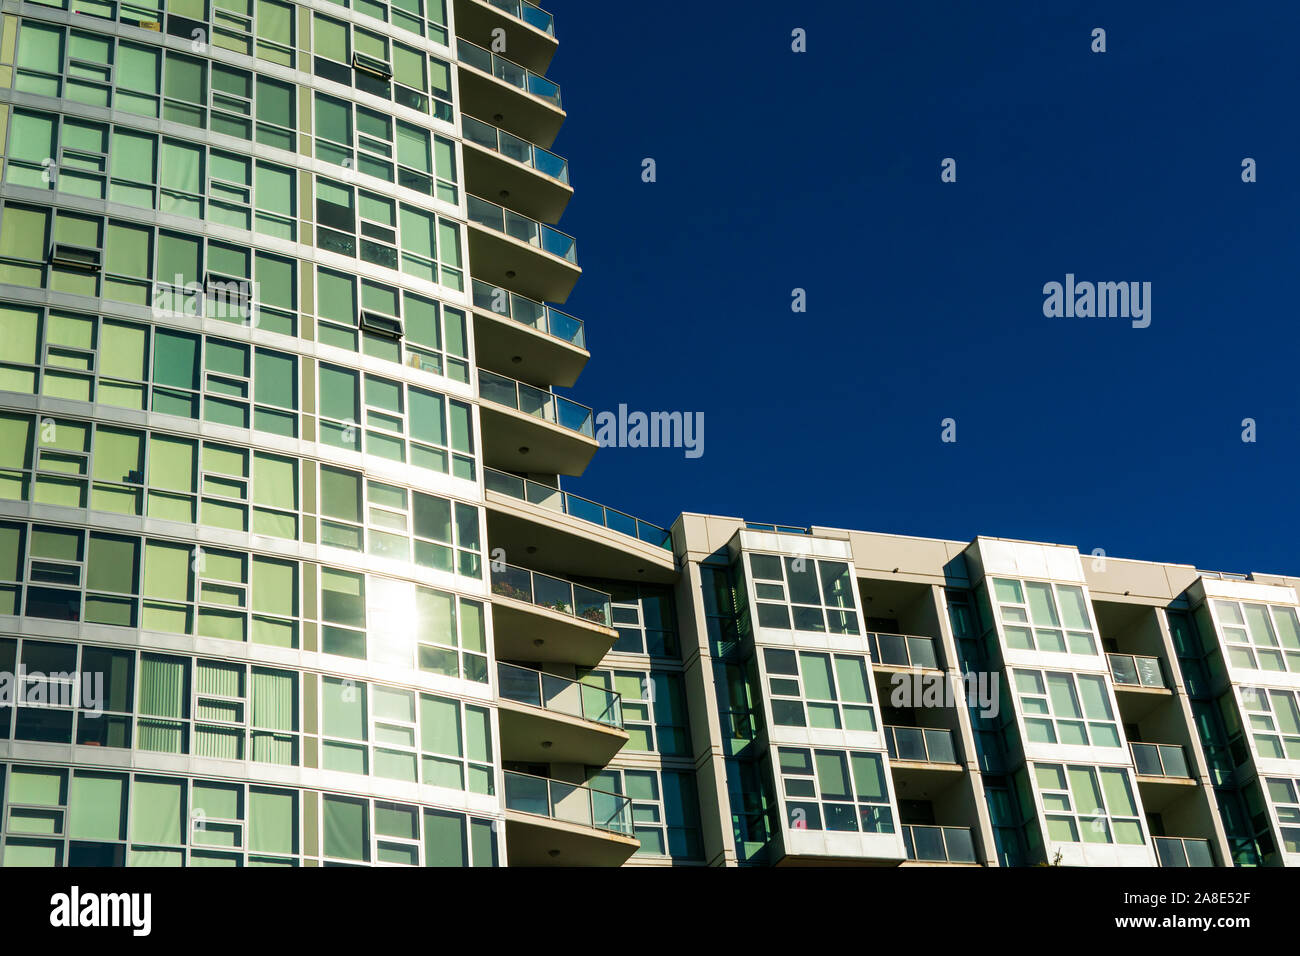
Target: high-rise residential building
[[288, 574]]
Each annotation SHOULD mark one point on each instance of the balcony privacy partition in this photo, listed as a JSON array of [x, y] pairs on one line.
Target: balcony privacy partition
[[523, 685], [1136, 671], [902, 650], [508, 71], [931, 844], [568, 803], [536, 402], [512, 147], [549, 592], [510, 223], [525, 311], [922, 744], [553, 499]]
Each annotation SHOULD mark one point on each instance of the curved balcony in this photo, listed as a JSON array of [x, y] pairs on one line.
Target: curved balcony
[[531, 180], [935, 845], [537, 617], [508, 93], [550, 719], [530, 429], [530, 30], [553, 823], [508, 249], [570, 535], [532, 341]]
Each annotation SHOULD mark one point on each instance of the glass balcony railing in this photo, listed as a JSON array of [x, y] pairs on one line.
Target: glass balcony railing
[[939, 844], [508, 71], [553, 499], [535, 315], [531, 14], [539, 236], [1183, 851], [568, 802], [536, 402], [559, 694], [1160, 760], [1136, 671], [776, 528], [512, 147], [902, 650], [556, 594], [922, 744]]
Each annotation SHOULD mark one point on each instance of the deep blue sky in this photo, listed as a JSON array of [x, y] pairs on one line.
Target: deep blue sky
[[821, 170]]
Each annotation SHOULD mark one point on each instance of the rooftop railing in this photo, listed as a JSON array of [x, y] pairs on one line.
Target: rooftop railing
[[525, 311], [930, 844], [553, 499], [536, 234], [902, 650], [559, 694], [1183, 851], [921, 744], [1136, 670], [531, 14], [776, 528], [1160, 760], [512, 147], [556, 594], [508, 71], [536, 402], [568, 802]]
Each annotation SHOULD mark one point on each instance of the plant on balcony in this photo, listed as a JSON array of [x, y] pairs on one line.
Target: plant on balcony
[[596, 614], [560, 606], [505, 589]]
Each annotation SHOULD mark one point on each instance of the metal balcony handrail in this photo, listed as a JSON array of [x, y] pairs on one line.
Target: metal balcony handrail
[[526, 311], [549, 592], [568, 802], [523, 685], [554, 499], [537, 402]]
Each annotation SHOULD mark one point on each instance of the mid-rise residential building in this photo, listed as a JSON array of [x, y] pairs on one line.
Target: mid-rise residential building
[[290, 575]]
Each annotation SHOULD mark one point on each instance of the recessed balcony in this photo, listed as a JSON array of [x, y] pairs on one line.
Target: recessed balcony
[[527, 178], [508, 94], [553, 823], [511, 250], [537, 617], [531, 429], [1140, 686], [546, 718], [1162, 761], [530, 30], [1183, 851], [922, 760], [902, 651], [532, 341], [936, 845], [573, 536], [1164, 777], [920, 745]]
